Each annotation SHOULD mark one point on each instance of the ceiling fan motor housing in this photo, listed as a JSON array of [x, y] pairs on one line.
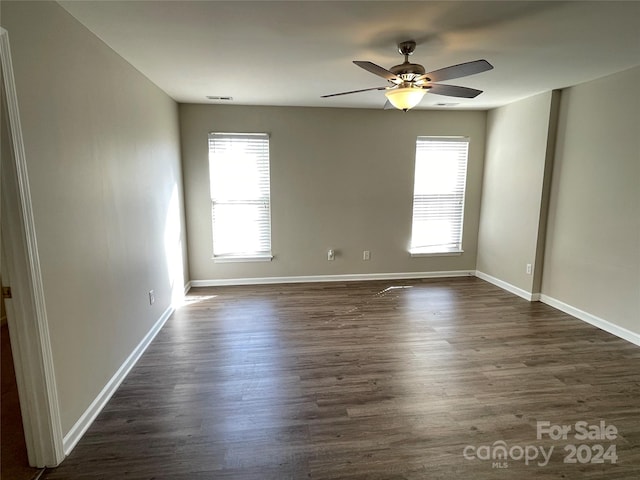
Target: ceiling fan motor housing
[[408, 71]]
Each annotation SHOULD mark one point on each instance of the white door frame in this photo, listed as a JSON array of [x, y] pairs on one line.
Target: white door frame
[[26, 311]]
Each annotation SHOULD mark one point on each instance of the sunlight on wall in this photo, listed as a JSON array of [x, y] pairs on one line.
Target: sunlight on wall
[[173, 249]]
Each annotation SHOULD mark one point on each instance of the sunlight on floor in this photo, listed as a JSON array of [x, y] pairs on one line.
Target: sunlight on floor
[[399, 287], [193, 299]]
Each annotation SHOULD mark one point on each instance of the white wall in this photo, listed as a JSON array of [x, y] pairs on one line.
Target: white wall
[[513, 212], [592, 260], [340, 178], [103, 155]]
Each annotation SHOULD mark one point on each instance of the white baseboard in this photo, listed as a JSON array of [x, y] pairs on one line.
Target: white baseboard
[[357, 277], [187, 287], [84, 422], [601, 323], [532, 297]]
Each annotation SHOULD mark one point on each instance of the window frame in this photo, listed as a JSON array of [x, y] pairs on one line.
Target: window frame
[[451, 248], [246, 256]]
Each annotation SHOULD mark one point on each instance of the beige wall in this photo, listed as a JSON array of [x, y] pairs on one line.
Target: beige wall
[[517, 165], [592, 259], [103, 155], [340, 178]]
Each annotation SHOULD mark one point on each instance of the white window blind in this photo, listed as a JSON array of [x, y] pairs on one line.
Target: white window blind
[[438, 194], [240, 195]]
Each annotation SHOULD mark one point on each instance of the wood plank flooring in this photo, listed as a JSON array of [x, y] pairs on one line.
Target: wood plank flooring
[[370, 380]]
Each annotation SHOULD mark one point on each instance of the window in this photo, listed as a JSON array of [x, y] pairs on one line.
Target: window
[[438, 195], [240, 196]]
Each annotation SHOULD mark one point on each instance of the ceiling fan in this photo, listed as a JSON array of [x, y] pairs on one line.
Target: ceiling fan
[[408, 82]]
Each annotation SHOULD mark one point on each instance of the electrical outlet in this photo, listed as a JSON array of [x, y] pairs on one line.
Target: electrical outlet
[[152, 297], [366, 255], [331, 255], [528, 269]]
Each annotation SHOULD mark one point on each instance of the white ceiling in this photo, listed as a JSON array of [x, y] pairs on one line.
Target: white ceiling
[[292, 52]]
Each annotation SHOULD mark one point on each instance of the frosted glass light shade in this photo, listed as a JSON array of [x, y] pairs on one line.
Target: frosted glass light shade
[[405, 98]]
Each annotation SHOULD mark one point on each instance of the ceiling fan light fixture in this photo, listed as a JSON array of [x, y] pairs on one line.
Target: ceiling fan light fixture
[[405, 98]]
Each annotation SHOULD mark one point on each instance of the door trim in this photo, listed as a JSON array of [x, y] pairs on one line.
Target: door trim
[[26, 312]]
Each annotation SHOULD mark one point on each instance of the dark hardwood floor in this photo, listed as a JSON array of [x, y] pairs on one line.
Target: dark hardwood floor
[[374, 380]]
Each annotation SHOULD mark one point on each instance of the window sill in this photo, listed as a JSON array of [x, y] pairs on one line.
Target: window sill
[[441, 253], [242, 258]]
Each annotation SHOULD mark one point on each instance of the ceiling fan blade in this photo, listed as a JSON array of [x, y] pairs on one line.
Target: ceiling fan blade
[[388, 106], [454, 91], [457, 71], [353, 91], [377, 70]]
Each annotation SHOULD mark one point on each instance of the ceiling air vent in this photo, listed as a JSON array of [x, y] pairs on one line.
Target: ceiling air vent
[[218, 97]]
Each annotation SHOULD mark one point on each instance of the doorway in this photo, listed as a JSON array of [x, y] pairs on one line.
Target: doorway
[[14, 462]]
